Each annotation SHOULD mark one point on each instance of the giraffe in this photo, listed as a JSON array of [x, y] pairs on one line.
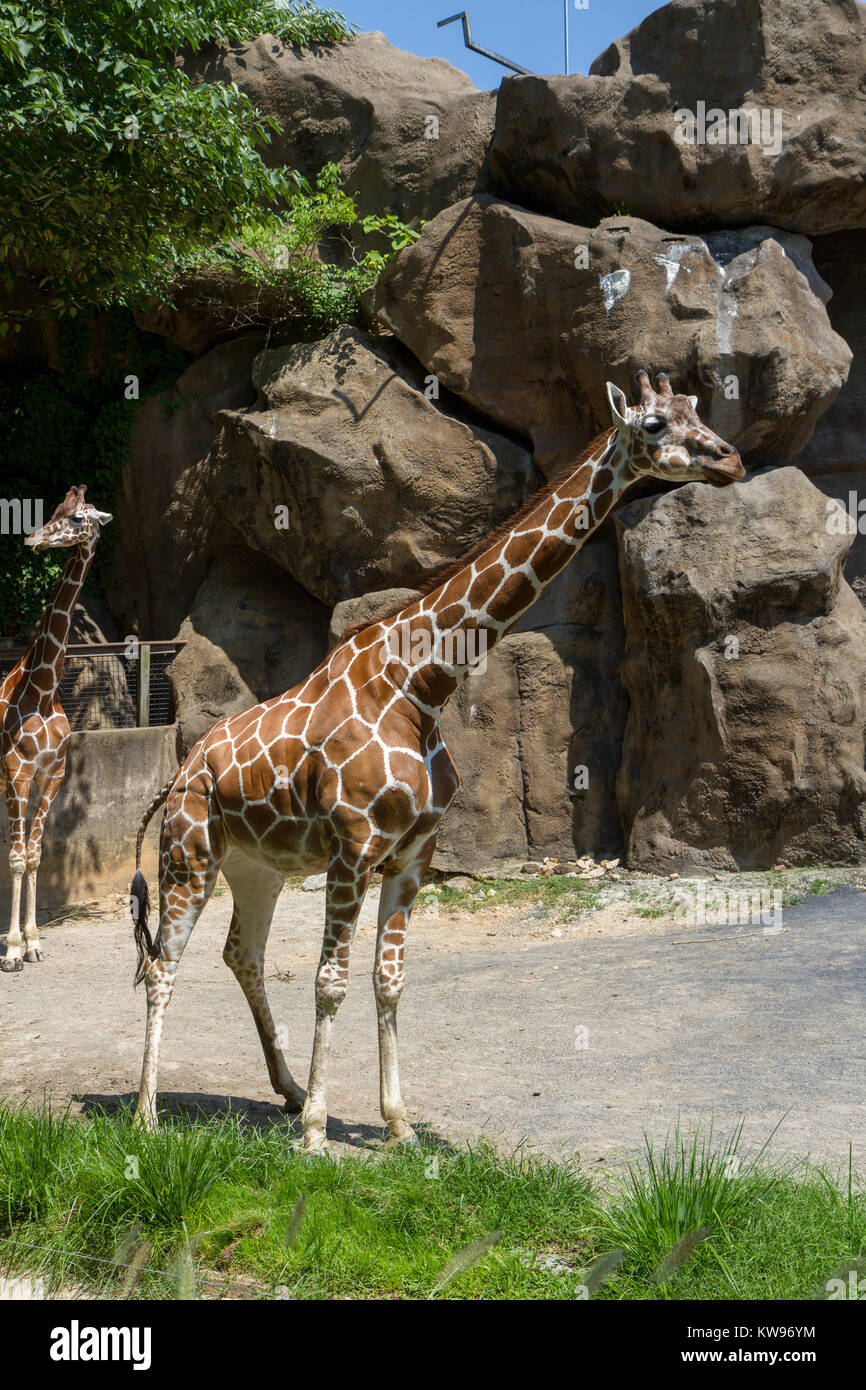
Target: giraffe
[[348, 772], [34, 731]]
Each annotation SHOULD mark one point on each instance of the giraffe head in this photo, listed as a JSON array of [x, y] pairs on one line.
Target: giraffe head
[[666, 439], [74, 523]]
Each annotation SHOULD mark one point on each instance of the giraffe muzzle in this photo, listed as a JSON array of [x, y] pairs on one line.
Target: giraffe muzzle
[[725, 470]]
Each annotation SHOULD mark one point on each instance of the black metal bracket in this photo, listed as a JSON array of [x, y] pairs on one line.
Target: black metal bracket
[[476, 47]]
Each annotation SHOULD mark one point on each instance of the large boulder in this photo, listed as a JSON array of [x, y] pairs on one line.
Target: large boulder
[[536, 737], [251, 634], [746, 673], [409, 133], [162, 510], [526, 317], [581, 146], [345, 474], [835, 456]]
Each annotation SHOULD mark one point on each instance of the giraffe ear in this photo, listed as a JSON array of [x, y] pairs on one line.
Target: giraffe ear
[[618, 404], [693, 402]]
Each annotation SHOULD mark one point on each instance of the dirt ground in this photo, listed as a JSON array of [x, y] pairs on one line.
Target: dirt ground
[[574, 1035]]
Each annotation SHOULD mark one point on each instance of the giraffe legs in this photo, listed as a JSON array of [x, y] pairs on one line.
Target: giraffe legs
[[47, 792], [17, 796], [400, 886], [255, 891], [347, 884]]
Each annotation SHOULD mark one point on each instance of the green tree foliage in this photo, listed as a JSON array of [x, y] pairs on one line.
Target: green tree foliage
[[113, 165], [274, 272], [72, 426]]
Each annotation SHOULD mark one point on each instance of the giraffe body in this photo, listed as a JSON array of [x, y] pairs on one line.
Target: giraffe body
[[34, 731], [348, 771]]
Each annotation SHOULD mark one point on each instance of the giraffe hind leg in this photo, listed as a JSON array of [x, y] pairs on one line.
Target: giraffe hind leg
[[255, 891], [46, 794], [17, 796]]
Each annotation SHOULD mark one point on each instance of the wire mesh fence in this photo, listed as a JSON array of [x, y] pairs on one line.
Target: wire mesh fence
[[111, 685]]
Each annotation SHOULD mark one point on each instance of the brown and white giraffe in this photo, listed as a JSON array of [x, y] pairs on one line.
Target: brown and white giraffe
[[348, 772], [34, 731]]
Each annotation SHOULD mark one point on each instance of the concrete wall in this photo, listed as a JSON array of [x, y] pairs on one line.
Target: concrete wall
[[89, 845]]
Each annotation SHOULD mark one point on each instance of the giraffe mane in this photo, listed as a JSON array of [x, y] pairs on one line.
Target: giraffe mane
[[432, 579]]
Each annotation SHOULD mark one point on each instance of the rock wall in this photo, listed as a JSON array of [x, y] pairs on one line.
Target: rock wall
[[572, 236], [745, 736]]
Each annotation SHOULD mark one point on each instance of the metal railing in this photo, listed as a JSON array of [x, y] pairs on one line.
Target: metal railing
[[111, 685]]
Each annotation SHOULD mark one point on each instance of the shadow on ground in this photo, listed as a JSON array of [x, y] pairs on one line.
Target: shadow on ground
[[260, 1115]]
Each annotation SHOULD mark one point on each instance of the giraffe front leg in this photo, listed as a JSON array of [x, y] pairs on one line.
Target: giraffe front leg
[[49, 790], [17, 795], [347, 884], [399, 890]]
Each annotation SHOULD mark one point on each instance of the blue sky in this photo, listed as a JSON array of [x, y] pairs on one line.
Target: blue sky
[[530, 32]]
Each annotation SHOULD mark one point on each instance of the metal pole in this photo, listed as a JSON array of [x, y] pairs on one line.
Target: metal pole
[[565, 15], [143, 685]]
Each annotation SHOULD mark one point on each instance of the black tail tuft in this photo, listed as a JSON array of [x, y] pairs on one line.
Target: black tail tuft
[[139, 905]]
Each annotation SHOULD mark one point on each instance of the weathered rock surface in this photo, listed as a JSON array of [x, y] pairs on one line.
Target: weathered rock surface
[[163, 512], [746, 671], [549, 704], [251, 634], [214, 304], [526, 317], [347, 476], [581, 146], [409, 133]]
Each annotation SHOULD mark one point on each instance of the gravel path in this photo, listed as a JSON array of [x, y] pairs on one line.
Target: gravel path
[[581, 1041]]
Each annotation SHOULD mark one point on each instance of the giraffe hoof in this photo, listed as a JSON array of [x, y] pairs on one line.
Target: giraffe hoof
[[33, 955], [405, 1138], [11, 966], [315, 1143], [294, 1104]]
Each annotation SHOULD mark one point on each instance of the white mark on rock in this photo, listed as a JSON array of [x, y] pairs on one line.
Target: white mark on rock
[[613, 287], [672, 260]]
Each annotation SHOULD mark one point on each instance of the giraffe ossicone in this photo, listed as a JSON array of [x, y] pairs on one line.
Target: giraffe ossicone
[[34, 731], [348, 772]]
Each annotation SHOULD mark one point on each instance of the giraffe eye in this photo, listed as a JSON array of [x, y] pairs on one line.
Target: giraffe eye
[[653, 425]]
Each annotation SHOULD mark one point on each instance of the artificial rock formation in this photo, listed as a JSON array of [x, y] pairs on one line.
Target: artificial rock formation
[[582, 146], [170, 531], [527, 317], [409, 133], [251, 634], [746, 673], [279, 481], [345, 474]]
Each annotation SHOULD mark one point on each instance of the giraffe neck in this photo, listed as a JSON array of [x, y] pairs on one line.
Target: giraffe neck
[[44, 661], [469, 613]]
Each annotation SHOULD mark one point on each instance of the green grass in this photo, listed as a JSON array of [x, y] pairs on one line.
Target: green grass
[[200, 1203]]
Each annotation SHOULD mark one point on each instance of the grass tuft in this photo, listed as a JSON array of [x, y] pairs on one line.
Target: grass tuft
[[106, 1209]]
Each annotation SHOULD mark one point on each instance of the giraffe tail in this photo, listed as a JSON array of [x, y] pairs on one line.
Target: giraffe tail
[[139, 897]]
